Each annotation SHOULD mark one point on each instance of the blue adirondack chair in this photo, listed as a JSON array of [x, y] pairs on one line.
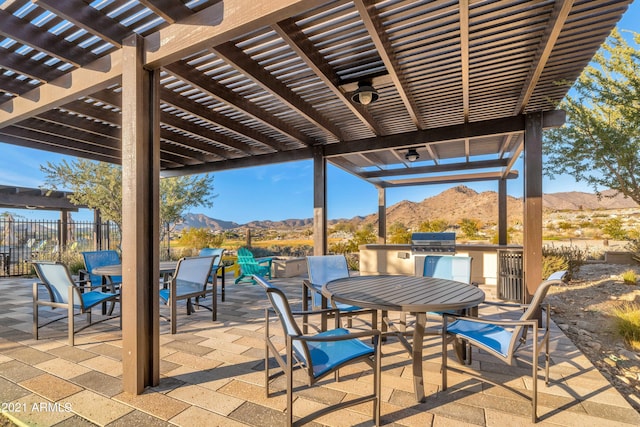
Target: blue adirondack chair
[[250, 266]]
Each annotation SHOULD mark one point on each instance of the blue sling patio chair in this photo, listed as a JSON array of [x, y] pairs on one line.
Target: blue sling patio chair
[[250, 266], [503, 338], [322, 269], [218, 267], [448, 267], [66, 294], [319, 355], [94, 259], [190, 280]]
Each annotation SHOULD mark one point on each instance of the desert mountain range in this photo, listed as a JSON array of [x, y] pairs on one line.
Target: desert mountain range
[[453, 205]]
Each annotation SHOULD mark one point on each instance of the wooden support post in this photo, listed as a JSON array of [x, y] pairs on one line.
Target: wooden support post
[[532, 241], [140, 220], [502, 212], [319, 202], [382, 215]]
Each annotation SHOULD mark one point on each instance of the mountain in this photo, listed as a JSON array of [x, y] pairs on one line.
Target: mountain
[[453, 205], [203, 221], [574, 200]]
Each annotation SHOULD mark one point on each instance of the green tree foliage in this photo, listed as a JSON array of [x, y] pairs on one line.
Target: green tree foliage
[[366, 234], [600, 144], [613, 228], [398, 233], [434, 226], [362, 236], [94, 184], [198, 238], [99, 186], [469, 227]]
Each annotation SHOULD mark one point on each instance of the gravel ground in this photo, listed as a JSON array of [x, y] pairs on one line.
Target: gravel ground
[[582, 309]]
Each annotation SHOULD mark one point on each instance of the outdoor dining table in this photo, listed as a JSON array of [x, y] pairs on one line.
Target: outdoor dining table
[[411, 294], [166, 267]]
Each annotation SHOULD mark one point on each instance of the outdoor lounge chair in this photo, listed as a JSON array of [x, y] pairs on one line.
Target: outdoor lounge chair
[[503, 338], [190, 280], [323, 269], [66, 294], [250, 266], [319, 355], [218, 268]]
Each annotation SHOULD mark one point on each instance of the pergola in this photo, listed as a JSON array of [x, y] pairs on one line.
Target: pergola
[[212, 85]]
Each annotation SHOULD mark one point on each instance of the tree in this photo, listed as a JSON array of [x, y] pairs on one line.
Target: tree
[[600, 144], [178, 194], [198, 238], [94, 184], [399, 234], [99, 186], [434, 226], [469, 227], [613, 228]]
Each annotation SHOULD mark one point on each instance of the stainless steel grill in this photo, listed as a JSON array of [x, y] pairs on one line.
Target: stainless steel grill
[[433, 243], [423, 244]]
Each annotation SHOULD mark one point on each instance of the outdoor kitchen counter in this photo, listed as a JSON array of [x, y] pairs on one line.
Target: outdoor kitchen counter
[[398, 259]]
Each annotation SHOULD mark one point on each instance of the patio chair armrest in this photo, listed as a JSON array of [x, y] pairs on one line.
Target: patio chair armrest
[[265, 261], [504, 304], [322, 311], [83, 276], [349, 336], [307, 284], [88, 288], [490, 321]]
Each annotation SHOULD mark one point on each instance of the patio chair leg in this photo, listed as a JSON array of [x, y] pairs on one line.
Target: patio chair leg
[[214, 300], [174, 314], [35, 311], [71, 325], [534, 377]]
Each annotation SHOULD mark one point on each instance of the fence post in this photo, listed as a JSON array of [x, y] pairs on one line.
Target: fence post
[[97, 230]]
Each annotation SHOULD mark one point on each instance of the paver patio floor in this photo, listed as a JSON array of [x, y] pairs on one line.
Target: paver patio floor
[[212, 374]]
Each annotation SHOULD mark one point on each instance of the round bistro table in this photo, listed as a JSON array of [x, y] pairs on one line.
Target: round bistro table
[[410, 294]]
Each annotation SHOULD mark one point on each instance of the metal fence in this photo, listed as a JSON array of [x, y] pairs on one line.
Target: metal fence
[[22, 241]]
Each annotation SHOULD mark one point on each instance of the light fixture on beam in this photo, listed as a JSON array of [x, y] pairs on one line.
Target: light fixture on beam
[[365, 94], [412, 155]]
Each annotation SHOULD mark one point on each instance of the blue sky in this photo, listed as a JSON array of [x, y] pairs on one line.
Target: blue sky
[[281, 191]]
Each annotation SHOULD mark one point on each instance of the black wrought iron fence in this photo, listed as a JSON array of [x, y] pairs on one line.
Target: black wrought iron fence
[[22, 241]]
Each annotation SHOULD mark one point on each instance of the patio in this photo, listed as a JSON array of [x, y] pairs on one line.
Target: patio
[[212, 374]]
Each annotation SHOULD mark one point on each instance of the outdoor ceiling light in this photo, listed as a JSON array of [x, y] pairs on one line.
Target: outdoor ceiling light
[[365, 94], [412, 155]]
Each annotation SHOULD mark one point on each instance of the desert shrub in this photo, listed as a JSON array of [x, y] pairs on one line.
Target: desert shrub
[[71, 258], [289, 250], [564, 225], [626, 319], [199, 238], [613, 228], [553, 263], [633, 245], [436, 225], [568, 258], [353, 261], [342, 247], [629, 277], [469, 227], [398, 234], [261, 252]]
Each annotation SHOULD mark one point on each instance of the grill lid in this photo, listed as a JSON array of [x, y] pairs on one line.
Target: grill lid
[[433, 242]]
